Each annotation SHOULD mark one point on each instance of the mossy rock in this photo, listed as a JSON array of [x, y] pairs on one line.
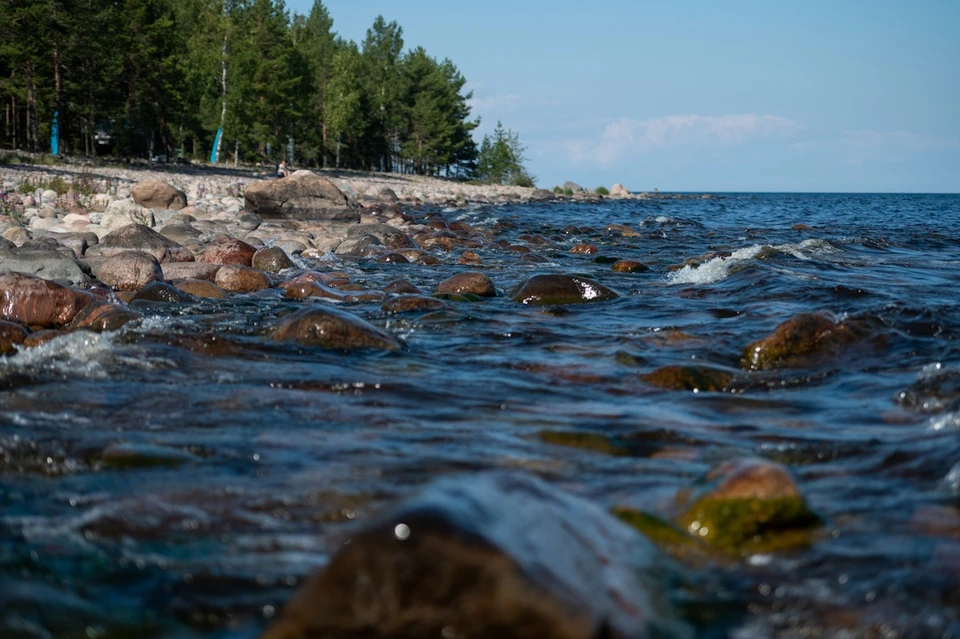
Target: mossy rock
[[586, 441], [691, 378]]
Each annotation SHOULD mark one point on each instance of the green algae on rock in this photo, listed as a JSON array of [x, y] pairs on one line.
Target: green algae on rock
[[555, 289], [748, 505]]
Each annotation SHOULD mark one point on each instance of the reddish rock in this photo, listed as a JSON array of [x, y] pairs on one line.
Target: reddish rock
[[36, 302], [469, 258], [228, 250], [629, 266], [153, 194], [333, 329], [584, 249], [11, 336], [467, 283], [428, 260], [409, 303], [41, 337], [692, 378], [235, 278], [801, 339], [552, 290], [190, 271], [201, 288], [130, 271], [102, 316]]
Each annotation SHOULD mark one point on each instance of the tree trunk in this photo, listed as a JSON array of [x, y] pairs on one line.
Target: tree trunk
[[338, 151], [236, 153], [223, 85], [33, 127], [16, 123]]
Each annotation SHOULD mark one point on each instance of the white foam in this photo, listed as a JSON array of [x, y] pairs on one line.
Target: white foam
[[79, 353], [720, 268], [953, 478], [947, 421]]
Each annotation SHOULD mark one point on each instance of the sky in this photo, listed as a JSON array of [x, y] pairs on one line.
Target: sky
[[700, 95]]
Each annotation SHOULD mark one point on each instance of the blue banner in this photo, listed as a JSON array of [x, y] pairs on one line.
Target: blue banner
[[216, 143], [55, 134]]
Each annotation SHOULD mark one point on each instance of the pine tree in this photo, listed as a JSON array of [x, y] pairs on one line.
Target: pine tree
[[344, 99], [501, 159], [316, 43]]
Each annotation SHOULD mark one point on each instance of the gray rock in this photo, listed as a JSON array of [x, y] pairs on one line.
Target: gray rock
[[180, 232], [250, 222], [123, 212], [48, 263], [354, 247], [573, 186], [389, 236], [443, 561], [302, 196], [137, 237]]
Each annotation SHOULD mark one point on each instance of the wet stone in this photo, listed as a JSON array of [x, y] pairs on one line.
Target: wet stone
[[201, 288], [130, 271], [271, 259], [36, 302], [144, 456], [468, 283], [691, 378], [333, 329], [142, 239], [800, 340], [629, 266], [38, 338], [161, 292], [469, 258], [558, 290], [412, 303], [585, 249], [439, 564], [11, 336], [103, 316], [190, 270], [393, 258], [235, 278], [228, 250], [400, 287]]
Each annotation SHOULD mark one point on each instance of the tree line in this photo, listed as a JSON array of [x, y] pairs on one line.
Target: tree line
[[229, 80]]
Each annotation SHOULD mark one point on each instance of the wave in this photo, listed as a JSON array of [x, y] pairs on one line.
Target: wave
[[720, 268]]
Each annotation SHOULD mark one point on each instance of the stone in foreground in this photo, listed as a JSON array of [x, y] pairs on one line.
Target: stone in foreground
[[37, 302], [302, 196], [330, 328], [494, 555], [552, 290]]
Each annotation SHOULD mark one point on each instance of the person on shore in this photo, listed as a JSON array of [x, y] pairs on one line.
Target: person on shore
[[282, 169]]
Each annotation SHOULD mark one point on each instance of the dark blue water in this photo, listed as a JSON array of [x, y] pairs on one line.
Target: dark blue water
[[286, 445]]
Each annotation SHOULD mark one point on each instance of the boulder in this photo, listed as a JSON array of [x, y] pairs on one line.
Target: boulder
[[37, 302], [130, 271], [585, 249], [228, 250], [236, 278], [467, 283], [142, 239], [201, 288], [161, 292], [271, 259], [123, 212], [391, 237], [492, 555], [47, 263], [545, 289], [102, 316], [748, 504], [189, 271], [572, 186], [542, 195], [619, 191], [154, 194], [800, 339], [333, 329], [180, 232], [301, 196]]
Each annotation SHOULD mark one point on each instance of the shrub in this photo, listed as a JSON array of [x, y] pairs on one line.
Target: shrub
[[558, 190], [602, 190], [568, 192]]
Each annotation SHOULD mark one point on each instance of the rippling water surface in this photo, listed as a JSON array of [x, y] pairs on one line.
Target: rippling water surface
[[282, 447]]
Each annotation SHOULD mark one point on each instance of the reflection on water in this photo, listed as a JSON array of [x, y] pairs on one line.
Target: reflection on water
[[180, 478]]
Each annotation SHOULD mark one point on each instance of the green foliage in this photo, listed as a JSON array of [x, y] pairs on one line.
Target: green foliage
[[501, 159], [568, 192], [602, 190], [558, 190]]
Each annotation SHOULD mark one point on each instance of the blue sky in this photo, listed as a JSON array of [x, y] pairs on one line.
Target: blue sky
[[705, 95]]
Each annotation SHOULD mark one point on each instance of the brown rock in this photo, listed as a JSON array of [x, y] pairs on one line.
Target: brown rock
[[130, 271], [36, 302], [271, 259], [467, 283], [333, 329], [235, 278], [629, 266], [201, 288], [584, 249], [41, 337], [190, 271], [11, 336], [692, 378], [400, 287], [496, 555], [153, 194], [228, 250], [391, 237], [161, 292], [393, 258], [428, 260], [137, 237], [409, 303], [301, 196], [552, 290], [799, 339], [469, 258], [103, 316]]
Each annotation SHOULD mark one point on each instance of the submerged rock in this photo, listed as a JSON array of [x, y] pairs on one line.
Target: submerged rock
[[411, 303], [468, 283], [748, 501], [37, 302], [144, 456], [544, 289], [492, 555], [799, 339], [692, 378], [11, 336], [301, 196], [334, 329], [629, 266], [161, 292], [103, 316]]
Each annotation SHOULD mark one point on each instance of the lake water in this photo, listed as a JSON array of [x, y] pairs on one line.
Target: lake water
[[286, 446]]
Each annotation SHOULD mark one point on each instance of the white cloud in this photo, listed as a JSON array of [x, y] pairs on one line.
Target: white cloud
[[627, 135], [500, 102]]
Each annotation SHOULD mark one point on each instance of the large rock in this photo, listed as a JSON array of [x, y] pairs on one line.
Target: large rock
[[190, 271], [47, 263], [391, 237], [236, 278], [228, 250], [103, 316], [492, 555], [130, 271], [123, 212], [271, 259], [301, 196], [619, 191], [333, 329], [551, 290], [803, 339], [153, 194], [140, 238], [572, 186], [467, 283], [38, 302]]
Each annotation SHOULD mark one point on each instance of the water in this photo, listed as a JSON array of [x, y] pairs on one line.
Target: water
[[282, 447]]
